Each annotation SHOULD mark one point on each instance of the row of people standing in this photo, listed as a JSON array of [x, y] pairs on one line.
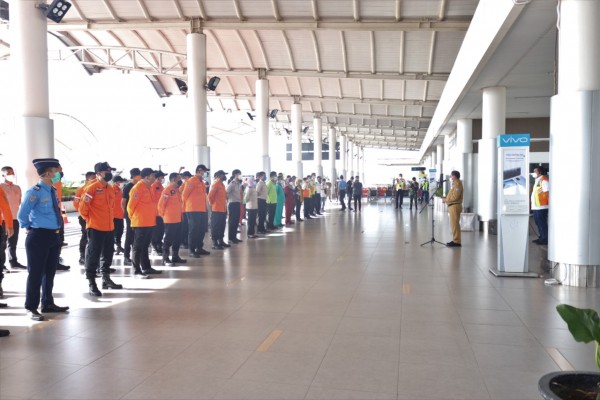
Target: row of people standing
[[352, 188]]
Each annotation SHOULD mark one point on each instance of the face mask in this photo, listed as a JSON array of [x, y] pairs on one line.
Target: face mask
[[121, 185], [56, 177], [108, 176], [534, 175], [10, 178], [179, 183]]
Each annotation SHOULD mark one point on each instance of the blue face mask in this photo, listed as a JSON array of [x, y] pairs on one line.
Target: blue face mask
[[56, 177]]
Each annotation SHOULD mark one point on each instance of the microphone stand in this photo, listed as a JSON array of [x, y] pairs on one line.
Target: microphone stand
[[432, 241]]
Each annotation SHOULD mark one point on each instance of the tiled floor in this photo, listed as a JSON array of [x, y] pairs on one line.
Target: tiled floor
[[346, 306]]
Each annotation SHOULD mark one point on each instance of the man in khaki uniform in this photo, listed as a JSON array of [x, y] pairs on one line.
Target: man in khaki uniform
[[454, 201]]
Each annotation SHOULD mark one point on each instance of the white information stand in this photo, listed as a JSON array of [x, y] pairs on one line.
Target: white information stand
[[513, 206]]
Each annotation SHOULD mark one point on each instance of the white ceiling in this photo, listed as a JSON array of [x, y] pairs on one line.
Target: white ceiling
[[374, 68]]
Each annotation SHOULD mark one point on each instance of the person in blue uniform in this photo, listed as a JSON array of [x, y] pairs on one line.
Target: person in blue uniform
[[40, 216]]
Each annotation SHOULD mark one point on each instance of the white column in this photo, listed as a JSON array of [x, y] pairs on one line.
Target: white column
[[447, 155], [332, 144], [464, 142], [358, 165], [493, 124], [29, 58], [440, 159], [262, 122], [351, 160], [574, 215], [297, 137], [343, 157], [362, 167], [196, 64], [434, 161], [318, 136]]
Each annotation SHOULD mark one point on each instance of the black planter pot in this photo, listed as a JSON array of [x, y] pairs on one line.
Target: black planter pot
[[570, 385]]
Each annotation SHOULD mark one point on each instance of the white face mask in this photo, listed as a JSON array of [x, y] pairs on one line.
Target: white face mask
[[10, 178], [534, 175]]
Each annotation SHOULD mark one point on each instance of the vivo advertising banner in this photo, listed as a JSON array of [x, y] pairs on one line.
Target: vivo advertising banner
[[513, 202]]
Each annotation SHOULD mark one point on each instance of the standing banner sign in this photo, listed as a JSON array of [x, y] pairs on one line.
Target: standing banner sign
[[513, 205]]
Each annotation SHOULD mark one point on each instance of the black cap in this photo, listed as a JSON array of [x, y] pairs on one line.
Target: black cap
[[159, 174], [41, 164], [202, 167], [220, 173], [103, 166], [236, 171], [135, 172], [146, 172], [186, 174], [118, 179]]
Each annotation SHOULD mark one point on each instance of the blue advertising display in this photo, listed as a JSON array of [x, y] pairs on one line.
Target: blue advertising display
[[514, 140]]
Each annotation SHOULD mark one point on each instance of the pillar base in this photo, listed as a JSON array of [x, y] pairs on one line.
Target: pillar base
[[577, 275]]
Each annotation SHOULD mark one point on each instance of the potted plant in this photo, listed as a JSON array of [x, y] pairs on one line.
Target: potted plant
[[584, 325]]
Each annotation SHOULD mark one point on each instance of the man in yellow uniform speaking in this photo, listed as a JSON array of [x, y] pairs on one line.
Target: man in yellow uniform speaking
[[454, 201]]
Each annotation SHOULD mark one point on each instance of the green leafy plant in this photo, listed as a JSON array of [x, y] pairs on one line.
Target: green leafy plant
[[584, 325]]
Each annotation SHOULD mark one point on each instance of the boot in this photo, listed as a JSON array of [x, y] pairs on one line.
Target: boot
[[107, 283], [94, 291], [165, 257]]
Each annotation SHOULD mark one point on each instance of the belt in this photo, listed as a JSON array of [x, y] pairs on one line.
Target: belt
[[57, 231]]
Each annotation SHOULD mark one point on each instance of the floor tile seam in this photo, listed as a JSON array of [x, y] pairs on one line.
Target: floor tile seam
[[251, 381]]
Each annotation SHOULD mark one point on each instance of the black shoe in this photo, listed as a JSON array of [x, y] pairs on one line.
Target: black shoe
[[127, 261], [184, 246], [251, 236], [536, 241], [107, 283], [17, 265], [453, 244], [35, 315], [62, 267], [94, 291], [236, 240], [81, 261], [53, 308], [152, 271], [203, 252], [140, 275], [167, 261], [178, 260], [64, 244], [3, 305], [223, 244], [542, 242], [4, 332], [195, 255], [217, 247], [120, 249]]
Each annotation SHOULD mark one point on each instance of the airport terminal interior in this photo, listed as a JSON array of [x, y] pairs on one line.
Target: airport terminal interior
[[368, 304]]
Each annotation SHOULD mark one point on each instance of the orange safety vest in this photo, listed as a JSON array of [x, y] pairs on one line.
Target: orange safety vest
[[141, 207], [170, 207], [5, 212], [194, 195], [218, 196], [118, 211], [97, 207], [541, 198]]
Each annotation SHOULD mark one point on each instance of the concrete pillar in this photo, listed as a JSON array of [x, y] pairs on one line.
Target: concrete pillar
[[343, 157], [464, 143], [440, 159], [29, 58], [318, 136], [351, 160], [196, 64], [574, 215], [262, 122], [297, 138], [493, 125], [332, 144], [362, 167], [434, 161]]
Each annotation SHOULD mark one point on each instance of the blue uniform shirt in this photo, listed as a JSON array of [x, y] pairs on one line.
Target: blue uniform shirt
[[342, 185], [38, 210]]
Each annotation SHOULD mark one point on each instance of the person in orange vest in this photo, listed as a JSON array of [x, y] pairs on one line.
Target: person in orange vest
[[59, 189], [194, 205], [119, 213], [184, 220], [170, 208], [13, 194], [135, 174], [97, 209], [6, 230], [159, 230], [89, 178], [218, 202], [141, 209], [540, 203]]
